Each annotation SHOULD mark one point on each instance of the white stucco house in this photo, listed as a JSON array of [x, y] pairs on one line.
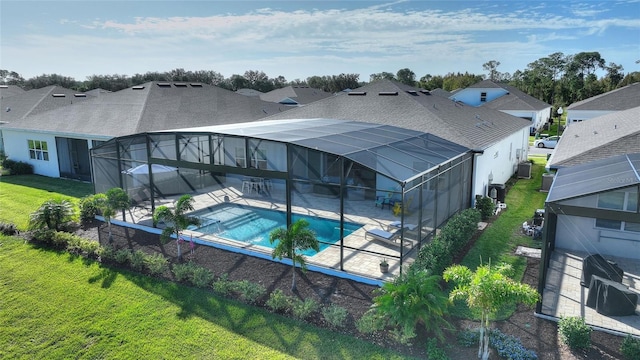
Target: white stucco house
[[54, 128], [508, 99], [620, 99], [498, 140]]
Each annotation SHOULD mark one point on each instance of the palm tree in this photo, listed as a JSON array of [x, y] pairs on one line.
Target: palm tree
[[113, 200], [53, 214], [291, 241], [176, 220], [488, 290]]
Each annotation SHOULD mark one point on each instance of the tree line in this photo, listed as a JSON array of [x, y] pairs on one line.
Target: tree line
[[556, 79]]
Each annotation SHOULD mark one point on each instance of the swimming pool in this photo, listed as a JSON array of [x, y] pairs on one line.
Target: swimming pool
[[253, 225]]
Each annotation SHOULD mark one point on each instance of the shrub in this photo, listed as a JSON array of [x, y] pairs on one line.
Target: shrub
[[201, 277], [17, 167], [183, 272], [156, 264], [122, 256], [370, 322], [52, 214], [303, 309], [249, 292], [434, 352], [334, 315], [574, 332], [90, 248], [106, 253], [88, 208], [485, 206], [8, 229], [137, 260], [66, 241], [44, 236], [223, 285], [630, 348], [278, 301], [507, 346]]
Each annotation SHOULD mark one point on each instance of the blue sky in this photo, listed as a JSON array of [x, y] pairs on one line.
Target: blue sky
[[298, 39]]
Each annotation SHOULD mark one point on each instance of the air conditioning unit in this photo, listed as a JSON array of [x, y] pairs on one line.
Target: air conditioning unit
[[524, 170]]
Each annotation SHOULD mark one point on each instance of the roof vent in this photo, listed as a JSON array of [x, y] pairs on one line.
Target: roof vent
[[80, 95], [58, 95], [196, 84], [8, 109], [412, 92], [4, 86], [180, 84], [164, 84], [426, 92], [388, 93], [140, 87], [357, 93]]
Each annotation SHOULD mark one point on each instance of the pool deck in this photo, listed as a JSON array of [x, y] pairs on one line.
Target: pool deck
[[361, 255]]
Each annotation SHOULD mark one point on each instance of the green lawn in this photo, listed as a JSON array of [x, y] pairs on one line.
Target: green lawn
[[57, 306]]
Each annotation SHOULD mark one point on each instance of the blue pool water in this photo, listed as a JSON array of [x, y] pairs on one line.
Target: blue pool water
[[253, 225]]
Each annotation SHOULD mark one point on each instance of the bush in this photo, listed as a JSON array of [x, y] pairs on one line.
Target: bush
[[88, 208], [137, 260], [485, 206], [249, 292], [574, 332], [278, 301], [90, 248], [183, 272], [44, 236], [156, 264], [507, 346], [334, 315], [8, 229], [630, 348], [201, 277], [434, 352], [370, 322], [106, 253], [303, 309], [52, 214], [17, 167], [122, 256], [223, 285]]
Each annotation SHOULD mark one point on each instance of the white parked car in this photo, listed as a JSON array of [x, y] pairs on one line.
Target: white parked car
[[549, 142]]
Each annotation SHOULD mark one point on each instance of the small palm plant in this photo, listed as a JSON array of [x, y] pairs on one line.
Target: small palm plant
[[53, 215], [108, 203], [176, 220], [297, 238]]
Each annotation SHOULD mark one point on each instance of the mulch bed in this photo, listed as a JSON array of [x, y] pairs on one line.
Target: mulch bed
[[536, 334]]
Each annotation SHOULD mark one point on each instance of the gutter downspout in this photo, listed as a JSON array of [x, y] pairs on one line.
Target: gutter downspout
[[474, 152]]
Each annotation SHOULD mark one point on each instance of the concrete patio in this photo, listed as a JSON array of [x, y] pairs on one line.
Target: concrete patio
[[564, 296]]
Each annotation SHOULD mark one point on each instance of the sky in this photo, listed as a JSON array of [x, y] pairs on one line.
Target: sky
[[299, 39]]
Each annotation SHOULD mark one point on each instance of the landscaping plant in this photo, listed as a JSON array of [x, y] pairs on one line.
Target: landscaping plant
[[290, 242], [108, 203], [630, 348], [575, 332], [176, 220], [487, 290], [53, 215]]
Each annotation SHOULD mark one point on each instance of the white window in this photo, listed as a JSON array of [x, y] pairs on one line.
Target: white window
[[38, 150], [618, 200], [241, 157], [259, 159], [483, 97]]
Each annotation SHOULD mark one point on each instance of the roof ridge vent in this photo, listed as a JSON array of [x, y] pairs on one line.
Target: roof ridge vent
[[80, 95], [196, 84], [4, 86], [164, 84], [426, 92], [388, 93], [412, 92], [139, 87], [58, 95], [357, 93], [181, 84]]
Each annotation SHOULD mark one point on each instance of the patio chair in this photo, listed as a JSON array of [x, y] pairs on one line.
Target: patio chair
[[385, 236], [384, 200]]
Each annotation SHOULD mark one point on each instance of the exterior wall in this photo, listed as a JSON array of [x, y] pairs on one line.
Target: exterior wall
[[17, 148], [471, 96], [580, 234], [538, 118], [500, 161], [577, 115]]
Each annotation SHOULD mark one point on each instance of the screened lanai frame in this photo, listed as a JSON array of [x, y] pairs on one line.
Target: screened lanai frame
[[348, 166]]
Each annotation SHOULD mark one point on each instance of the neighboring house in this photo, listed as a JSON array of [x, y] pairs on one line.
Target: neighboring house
[[508, 99], [17, 104], [56, 139], [593, 207], [294, 95], [498, 140], [620, 99], [617, 133]]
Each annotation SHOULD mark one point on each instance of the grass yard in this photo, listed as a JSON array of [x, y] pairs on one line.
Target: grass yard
[[22, 195], [56, 306]]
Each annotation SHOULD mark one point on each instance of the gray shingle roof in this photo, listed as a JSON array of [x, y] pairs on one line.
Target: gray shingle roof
[[601, 137], [301, 94], [37, 101], [10, 90], [149, 107], [472, 127], [623, 98]]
